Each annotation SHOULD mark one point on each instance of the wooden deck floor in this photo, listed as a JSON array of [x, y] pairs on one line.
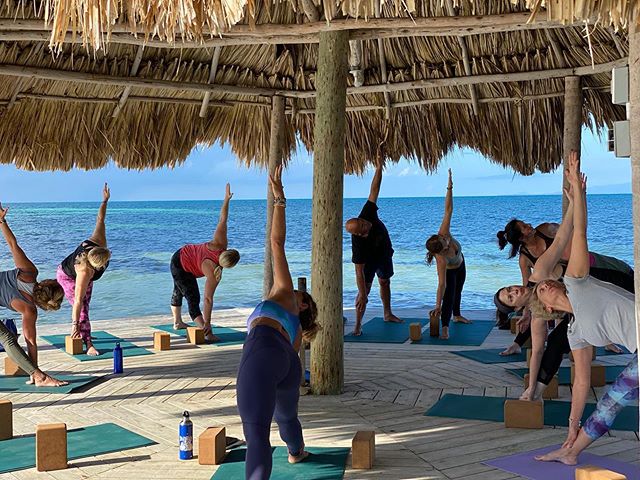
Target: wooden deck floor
[[387, 389]]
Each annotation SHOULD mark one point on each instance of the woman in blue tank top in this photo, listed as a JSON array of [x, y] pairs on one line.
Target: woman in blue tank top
[[270, 371]]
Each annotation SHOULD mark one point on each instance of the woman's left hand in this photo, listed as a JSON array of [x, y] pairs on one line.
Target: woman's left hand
[[572, 436], [450, 183], [106, 193], [275, 179], [3, 212]]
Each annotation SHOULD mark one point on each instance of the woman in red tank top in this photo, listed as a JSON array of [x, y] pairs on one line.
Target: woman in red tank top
[[194, 261]]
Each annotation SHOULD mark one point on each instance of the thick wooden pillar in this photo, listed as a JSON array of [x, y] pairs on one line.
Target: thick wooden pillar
[[572, 125], [275, 159], [327, 375], [634, 118]]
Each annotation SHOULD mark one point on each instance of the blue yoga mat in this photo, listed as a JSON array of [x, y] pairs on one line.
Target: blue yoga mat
[[104, 342], [461, 334], [322, 464], [20, 453], [377, 330], [491, 409], [492, 355], [564, 373], [17, 384], [228, 336]]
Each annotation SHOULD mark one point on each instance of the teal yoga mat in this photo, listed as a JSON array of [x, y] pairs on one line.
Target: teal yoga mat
[[322, 464], [228, 336], [491, 409], [564, 373], [461, 334], [377, 330], [19, 453], [104, 342], [16, 384], [492, 355]]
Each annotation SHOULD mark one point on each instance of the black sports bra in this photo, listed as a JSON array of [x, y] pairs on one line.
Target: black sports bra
[[525, 251]]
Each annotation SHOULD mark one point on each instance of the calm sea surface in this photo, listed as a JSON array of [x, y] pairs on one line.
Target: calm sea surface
[[144, 235]]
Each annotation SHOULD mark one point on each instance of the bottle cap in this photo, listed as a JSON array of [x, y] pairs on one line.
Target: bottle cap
[[185, 414]]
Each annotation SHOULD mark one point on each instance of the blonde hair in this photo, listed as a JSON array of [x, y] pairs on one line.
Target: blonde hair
[[97, 258], [539, 309], [48, 294], [229, 258]]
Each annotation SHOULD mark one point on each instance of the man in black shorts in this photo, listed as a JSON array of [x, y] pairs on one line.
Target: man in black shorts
[[372, 255]]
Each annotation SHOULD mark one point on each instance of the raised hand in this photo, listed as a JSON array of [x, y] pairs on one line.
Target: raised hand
[[573, 168], [275, 179], [228, 194], [106, 193], [3, 212], [450, 182]]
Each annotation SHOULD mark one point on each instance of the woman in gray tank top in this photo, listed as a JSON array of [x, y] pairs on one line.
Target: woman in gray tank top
[[21, 292], [603, 313]]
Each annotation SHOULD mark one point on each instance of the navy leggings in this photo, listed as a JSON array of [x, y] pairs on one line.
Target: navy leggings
[[268, 386], [453, 293]]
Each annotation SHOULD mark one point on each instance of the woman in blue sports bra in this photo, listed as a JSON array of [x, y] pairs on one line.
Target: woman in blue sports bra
[[270, 371]]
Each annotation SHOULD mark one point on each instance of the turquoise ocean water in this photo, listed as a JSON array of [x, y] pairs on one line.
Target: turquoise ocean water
[[144, 235]]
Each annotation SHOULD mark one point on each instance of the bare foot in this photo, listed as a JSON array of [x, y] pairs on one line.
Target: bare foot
[[357, 331], [92, 351], [392, 319], [612, 347], [461, 319], [211, 338], [513, 349], [180, 325], [445, 333], [562, 455], [298, 458], [47, 381]]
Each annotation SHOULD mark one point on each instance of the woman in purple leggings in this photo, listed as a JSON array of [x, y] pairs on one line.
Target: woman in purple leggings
[[270, 371]]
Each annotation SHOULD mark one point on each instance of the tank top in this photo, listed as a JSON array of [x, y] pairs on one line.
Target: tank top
[[525, 251], [456, 260], [9, 290], [68, 264], [192, 256], [274, 311]]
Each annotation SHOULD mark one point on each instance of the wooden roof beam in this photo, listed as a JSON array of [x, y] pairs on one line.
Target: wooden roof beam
[[127, 90], [215, 59], [384, 76]]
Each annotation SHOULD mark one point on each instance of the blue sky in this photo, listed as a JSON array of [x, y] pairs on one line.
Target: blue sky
[[207, 170]]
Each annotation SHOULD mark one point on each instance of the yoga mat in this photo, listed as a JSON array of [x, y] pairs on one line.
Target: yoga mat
[[104, 342], [525, 465], [564, 373], [377, 330], [556, 413], [19, 453], [16, 384], [461, 334], [322, 464], [603, 352], [492, 355], [228, 336]]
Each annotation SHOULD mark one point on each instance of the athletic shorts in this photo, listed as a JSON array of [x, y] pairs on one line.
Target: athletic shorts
[[383, 268]]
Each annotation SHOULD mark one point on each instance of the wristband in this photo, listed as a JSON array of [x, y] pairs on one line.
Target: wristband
[[279, 202]]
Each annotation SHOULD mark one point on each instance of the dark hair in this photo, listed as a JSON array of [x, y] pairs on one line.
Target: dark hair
[[433, 246], [308, 318], [501, 307], [511, 234]]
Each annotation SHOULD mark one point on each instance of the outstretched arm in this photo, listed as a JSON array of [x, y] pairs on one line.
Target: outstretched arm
[[19, 257], [374, 192], [445, 226], [99, 234], [579, 260], [220, 235]]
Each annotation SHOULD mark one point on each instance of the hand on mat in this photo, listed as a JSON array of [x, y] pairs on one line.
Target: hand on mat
[[612, 347], [572, 435], [361, 302]]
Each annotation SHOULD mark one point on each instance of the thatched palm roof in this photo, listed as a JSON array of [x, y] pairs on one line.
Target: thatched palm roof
[[107, 94]]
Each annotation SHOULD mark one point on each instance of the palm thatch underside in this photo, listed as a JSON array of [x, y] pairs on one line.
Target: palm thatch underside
[[141, 83]]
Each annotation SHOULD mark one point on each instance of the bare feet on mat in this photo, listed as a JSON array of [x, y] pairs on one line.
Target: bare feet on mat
[[180, 325], [357, 331], [461, 319], [445, 333], [612, 347], [512, 349], [211, 338], [298, 458], [562, 455], [46, 381], [392, 319], [92, 352]]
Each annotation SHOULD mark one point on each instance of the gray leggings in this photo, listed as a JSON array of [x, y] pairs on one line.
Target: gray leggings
[[15, 352]]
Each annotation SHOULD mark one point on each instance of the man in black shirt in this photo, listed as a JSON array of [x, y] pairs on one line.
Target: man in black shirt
[[372, 255]]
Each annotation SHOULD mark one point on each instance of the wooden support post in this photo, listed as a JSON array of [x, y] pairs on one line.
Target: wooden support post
[[6, 420], [327, 362], [572, 125], [275, 159], [51, 447], [634, 119], [212, 446]]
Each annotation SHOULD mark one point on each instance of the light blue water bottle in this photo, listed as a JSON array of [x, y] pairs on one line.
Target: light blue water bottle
[[117, 359], [186, 437]]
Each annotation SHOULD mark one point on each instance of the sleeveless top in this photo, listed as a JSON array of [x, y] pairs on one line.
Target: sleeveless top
[[525, 251], [69, 263], [274, 311], [192, 256], [9, 290], [456, 260]]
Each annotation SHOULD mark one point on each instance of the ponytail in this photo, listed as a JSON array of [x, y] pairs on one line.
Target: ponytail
[[308, 318], [433, 246], [511, 234]]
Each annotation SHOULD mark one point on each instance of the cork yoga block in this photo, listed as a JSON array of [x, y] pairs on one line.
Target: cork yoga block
[[73, 346], [415, 332], [591, 472], [161, 341], [195, 335], [550, 392], [434, 325], [593, 354], [523, 414], [514, 327], [51, 447], [12, 369], [212, 446], [6, 420], [598, 375], [363, 450]]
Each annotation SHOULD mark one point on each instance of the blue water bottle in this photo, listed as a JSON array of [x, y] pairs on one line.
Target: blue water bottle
[[186, 437], [117, 359]]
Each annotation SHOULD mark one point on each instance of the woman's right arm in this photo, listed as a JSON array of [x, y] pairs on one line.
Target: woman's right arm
[[442, 277], [525, 269], [445, 226], [20, 259], [579, 264], [538, 337]]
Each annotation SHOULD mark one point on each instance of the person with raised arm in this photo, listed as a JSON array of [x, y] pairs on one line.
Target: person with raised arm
[[21, 292], [194, 261], [77, 272], [270, 370]]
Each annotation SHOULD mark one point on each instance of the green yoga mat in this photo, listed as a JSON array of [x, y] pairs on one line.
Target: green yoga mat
[[19, 453], [104, 342], [564, 373], [377, 330], [492, 355], [461, 334], [228, 336], [322, 464], [16, 384], [491, 409]]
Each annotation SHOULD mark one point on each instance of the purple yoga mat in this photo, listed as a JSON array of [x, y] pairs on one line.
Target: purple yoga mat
[[526, 465]]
